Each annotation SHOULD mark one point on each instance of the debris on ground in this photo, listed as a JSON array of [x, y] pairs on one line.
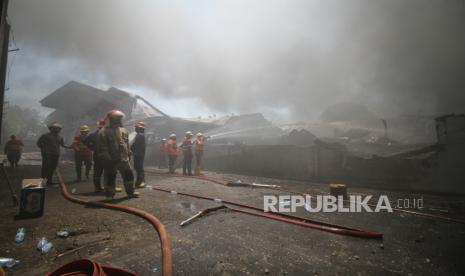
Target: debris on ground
[[44, 245], [9, 262], [62, 233], [20, 235]]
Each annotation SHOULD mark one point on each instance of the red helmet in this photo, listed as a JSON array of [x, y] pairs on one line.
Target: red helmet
[[140, 125], [114, 114]]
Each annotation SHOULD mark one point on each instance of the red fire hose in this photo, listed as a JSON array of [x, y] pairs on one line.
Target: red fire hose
[[224, 183], [167, 268], [332, 228]]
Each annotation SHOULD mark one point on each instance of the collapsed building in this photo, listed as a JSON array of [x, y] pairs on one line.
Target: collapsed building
[[435, 167], [77, 103], [250, 144]]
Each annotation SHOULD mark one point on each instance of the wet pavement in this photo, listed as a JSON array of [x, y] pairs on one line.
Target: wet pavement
[[229, 243]]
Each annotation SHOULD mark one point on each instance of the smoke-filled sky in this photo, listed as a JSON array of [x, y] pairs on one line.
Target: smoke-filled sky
[[289, 59]]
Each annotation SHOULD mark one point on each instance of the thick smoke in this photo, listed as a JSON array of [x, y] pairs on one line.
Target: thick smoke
[[290, 58]]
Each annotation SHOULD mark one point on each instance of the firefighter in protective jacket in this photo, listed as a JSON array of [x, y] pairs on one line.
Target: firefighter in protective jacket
[[82, 153], [113, 147]]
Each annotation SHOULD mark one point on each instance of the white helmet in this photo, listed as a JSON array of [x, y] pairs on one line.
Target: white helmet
[[199, 134], [188, 133], [172, 135]]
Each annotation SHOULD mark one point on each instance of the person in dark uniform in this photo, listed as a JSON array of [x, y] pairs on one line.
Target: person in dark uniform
[[91, 142], [173, 152], [138, 153], [49, 145], [187, 154]]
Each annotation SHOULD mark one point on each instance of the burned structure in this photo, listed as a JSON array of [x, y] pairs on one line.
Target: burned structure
[[434, 166], [77, 103], [361, 151]]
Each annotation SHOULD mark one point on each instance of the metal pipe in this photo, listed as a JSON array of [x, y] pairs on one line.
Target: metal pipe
[[201, 213]]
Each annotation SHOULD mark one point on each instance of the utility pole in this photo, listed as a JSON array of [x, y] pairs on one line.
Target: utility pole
[[4, 39]]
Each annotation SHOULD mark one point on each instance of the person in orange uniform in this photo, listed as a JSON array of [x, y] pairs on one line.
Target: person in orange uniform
[[82, 153], [172, 150], [198, 151], [187, 154], [162, 154], [13, 150]]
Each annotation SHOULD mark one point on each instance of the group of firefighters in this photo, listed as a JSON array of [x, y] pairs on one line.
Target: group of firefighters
[[170, 149], [109, 150]]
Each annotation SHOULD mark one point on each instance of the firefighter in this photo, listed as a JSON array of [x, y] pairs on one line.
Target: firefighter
[[49, 145], [187, 154], [162, 154], [113, 148], [82, 153], [172, 150], [13, 149], [138, 152], [91, 142], [198, 150]]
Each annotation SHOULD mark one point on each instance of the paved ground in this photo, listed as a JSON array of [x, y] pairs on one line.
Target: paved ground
[[227, 243]]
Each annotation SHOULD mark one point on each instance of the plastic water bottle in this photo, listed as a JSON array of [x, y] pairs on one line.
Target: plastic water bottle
[[41, 243], [217, 200], [174, 192], [20, 235], [8, 262], [44, 246]]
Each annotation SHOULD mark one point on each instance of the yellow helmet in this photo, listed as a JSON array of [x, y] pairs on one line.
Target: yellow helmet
[[84, 128]]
